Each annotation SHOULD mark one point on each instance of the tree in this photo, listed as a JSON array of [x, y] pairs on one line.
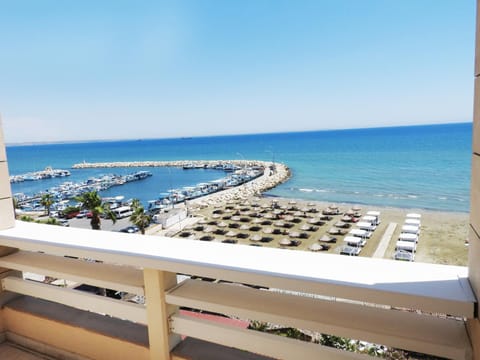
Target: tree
[[139, 217], [47, 201], [92, 202]]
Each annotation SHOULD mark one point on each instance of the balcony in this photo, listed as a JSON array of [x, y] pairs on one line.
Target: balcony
[[412, 306]]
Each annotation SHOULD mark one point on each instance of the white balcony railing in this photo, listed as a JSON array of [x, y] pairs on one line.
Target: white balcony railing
[[404, 305]]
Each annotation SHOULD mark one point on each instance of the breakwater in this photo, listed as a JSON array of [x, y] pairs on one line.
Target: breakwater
[[274, 173], [176, 163]]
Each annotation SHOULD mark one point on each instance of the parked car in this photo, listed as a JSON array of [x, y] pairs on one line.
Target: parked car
[[130, 229]]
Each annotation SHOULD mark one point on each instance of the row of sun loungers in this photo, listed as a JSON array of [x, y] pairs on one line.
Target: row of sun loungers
[[407, 241], [357, 238]]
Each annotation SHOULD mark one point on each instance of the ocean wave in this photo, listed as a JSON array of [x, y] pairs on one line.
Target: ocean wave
[[306, 190]]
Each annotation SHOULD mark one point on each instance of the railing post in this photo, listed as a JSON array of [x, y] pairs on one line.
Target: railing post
[[158, 313]]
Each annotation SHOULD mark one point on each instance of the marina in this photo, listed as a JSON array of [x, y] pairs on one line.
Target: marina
[[69, 190], [48, 173]]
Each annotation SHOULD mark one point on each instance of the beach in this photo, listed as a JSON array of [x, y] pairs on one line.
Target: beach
[[442, 239]]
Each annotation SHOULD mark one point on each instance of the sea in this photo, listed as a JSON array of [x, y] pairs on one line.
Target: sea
[[422, 167]]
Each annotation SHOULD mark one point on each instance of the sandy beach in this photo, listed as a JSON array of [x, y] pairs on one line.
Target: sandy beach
[[442, 238]]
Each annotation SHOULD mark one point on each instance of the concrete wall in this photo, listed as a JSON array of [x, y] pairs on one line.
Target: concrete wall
[[474, 237], [7, 219]]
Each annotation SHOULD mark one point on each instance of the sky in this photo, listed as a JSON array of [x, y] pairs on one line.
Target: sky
[[89, 70]]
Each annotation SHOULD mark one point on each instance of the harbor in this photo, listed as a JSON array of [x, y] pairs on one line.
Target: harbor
[[67, 191], [48, 173]]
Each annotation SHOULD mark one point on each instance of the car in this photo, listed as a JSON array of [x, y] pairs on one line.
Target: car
[[64, 222], [72, 214], [130, 229]]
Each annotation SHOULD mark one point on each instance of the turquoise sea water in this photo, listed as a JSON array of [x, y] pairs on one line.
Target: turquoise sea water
[[412, 167]]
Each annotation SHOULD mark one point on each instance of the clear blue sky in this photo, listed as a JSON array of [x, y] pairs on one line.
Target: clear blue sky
[[72, 70]]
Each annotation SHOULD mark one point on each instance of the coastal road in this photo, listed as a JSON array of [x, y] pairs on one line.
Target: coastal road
[[106, 224]]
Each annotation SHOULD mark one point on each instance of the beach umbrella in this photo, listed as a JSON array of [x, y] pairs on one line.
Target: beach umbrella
[[222, 224], [244, 227], [231, 234], [257, 221], [356, 208], [315, 247], [305, 227], [279, 223], [311, 204], [208, 229], [289, 218], [294, 234], [215, 216], [334, 231], [236, 218], [292, 202], [326, 238], [268, 230], [202, 221], [305, 209], [268, 216], [256, 238], [285, 242]]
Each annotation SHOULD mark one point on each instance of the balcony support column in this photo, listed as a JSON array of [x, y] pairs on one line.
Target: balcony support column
[[158, 313]]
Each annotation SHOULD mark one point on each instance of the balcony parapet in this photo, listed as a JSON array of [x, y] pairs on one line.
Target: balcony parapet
[[341, 290]]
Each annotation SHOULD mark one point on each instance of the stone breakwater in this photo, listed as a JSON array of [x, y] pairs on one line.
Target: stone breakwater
[[175, 163], [275, 174]]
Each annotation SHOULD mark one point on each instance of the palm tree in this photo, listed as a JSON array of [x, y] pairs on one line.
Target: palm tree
[[139, 217], [47, 201], [92, 202]]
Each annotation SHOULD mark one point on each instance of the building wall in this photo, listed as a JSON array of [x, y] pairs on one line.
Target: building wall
[[474, 234], [7, 219]]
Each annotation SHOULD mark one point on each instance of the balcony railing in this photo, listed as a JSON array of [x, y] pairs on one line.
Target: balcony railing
[[412, 306]]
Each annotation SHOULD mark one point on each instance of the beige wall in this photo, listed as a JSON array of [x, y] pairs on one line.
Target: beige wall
[[474, 237], [7, 219]]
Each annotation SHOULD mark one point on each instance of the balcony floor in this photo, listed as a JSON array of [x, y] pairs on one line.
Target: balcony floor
[[15, 352]]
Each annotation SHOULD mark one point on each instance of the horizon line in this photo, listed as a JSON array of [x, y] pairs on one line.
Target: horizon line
[[83, 141]]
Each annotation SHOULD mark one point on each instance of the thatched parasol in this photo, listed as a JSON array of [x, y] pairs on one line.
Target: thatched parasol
[[256, 238]]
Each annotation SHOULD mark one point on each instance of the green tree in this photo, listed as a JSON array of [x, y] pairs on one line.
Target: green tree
[[139, 217], [47, 201], [92, 202]]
